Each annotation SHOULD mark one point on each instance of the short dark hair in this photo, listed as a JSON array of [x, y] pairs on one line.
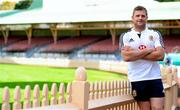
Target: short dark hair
[[140, 8]]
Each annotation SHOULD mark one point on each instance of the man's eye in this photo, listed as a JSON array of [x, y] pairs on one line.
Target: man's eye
[[143, 16]]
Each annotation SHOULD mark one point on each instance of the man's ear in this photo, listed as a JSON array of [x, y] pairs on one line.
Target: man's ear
[[132, 17]]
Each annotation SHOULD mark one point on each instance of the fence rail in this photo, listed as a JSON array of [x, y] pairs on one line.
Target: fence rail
[[82, 95]]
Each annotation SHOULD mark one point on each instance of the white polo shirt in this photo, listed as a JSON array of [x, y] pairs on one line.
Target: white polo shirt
[[142, 69]]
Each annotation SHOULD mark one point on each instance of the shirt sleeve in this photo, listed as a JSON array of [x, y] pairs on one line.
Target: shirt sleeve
[[158, 40], [123, 40]]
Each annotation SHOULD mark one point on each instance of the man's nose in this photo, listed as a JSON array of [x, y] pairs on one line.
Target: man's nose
[[140, 17]]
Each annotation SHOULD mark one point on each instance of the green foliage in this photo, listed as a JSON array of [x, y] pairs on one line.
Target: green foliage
[[7, 5], [24, 4]]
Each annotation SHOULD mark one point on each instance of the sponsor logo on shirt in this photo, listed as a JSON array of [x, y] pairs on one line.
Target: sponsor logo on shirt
[[141, 47]]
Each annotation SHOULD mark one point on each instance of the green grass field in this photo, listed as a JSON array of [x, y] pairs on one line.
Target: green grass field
[[22, 75]]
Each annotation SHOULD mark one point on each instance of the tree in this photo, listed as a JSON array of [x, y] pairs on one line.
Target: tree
[[7, 5], [24, 4]]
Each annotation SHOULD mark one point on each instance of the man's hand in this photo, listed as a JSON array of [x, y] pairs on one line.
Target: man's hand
[[156, 55]]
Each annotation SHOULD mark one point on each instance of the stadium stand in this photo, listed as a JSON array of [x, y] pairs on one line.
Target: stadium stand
[[70, 44], [20, 48], [11, 40], [1, 41], [101, 50], [171, 42], [23, 45], [45, 15], [104, 46]]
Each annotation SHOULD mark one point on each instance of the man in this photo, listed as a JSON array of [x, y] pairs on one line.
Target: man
[[142, 48]]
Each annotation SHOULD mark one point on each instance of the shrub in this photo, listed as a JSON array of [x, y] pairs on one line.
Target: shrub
[[24, 4]]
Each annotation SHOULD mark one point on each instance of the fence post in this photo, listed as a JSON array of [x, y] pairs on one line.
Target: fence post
[[175, 87], [5, 99], [17, 99], [36, 102], [53, 100], [168, 91], [45, 90], [80, 89], [27, 97]]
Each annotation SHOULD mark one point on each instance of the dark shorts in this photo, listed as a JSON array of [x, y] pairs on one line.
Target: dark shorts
[[144, 90]]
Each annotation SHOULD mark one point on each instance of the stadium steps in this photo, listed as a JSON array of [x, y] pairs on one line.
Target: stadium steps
[[0, 50], [36, 49], [31, 51], [117, 55]]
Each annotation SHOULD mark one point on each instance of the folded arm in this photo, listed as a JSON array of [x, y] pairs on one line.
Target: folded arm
[[130, 54], [156, 55]]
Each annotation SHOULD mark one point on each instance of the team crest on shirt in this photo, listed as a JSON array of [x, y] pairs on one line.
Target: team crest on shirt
[[151, 38], [134, 93]]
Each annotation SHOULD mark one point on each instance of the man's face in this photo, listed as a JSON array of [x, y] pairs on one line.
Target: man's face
[[139, 18]]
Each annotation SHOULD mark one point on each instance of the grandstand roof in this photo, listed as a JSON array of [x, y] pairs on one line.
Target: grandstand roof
[[67, 11]]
